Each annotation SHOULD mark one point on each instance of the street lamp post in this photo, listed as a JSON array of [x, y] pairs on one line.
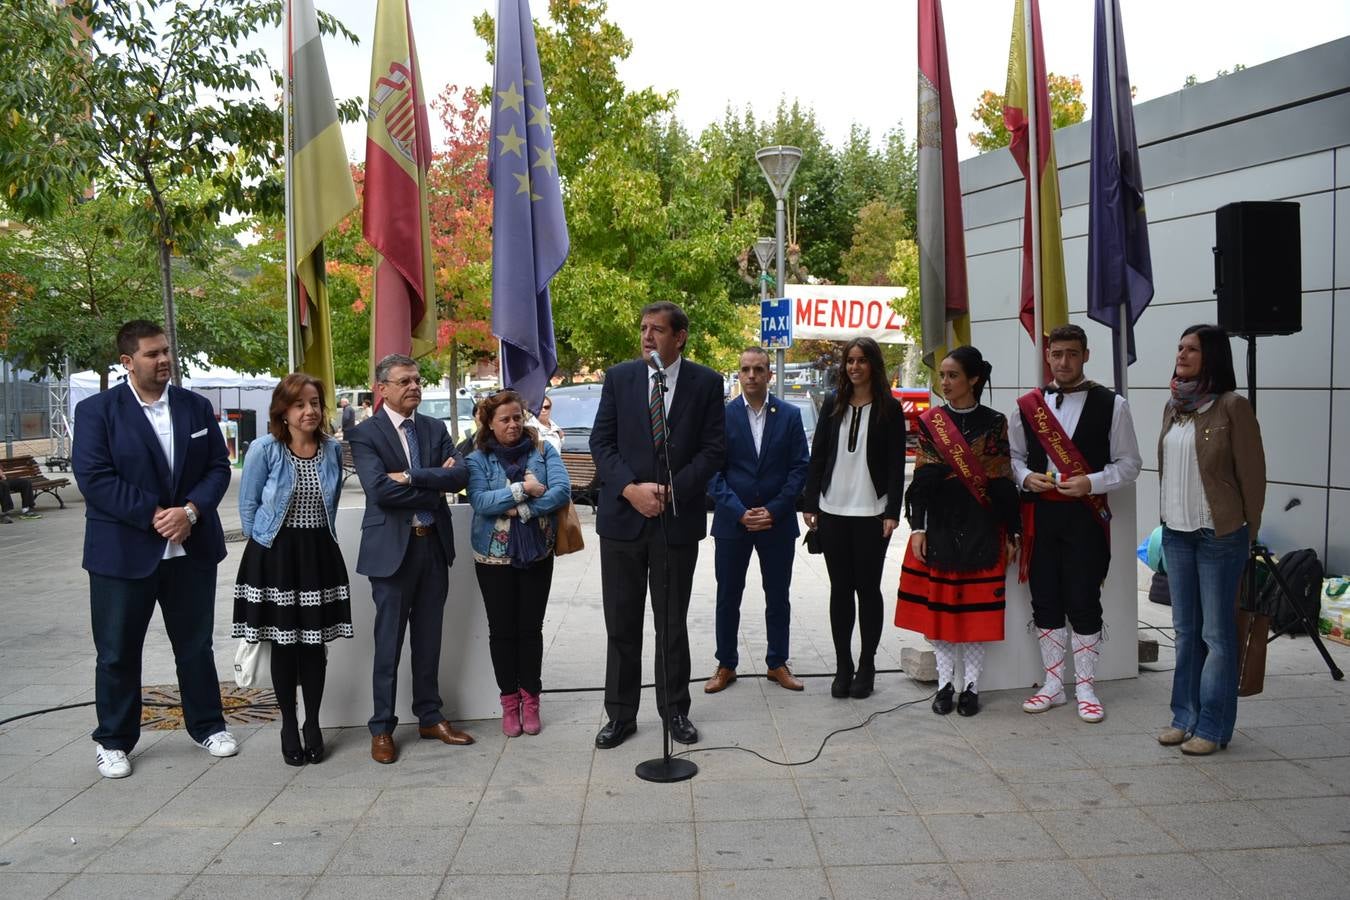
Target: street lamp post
[[779, 164], [764, 250]]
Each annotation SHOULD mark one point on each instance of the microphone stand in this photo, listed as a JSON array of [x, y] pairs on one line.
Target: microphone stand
[[666, 768]]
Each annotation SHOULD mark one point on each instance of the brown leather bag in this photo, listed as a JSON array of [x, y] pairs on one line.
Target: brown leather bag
[[568, 537], [1253, 630]]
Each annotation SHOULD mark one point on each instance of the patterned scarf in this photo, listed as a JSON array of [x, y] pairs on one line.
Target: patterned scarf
[[525, 545], [1187, 396]]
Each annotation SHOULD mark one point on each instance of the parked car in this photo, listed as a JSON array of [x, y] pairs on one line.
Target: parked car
[[436, 404], [574, 408], [809, 405]]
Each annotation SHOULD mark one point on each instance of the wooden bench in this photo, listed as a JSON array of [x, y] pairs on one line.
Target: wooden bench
[[348, 463], [27, 467], [581, 471]]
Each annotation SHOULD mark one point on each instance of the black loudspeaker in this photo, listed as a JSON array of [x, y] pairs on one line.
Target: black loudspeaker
[[1258, 274]]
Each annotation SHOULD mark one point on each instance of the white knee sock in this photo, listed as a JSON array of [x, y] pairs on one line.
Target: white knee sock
[[946, 661]]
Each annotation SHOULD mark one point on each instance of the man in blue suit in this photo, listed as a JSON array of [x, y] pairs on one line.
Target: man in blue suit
[[152, 466], [756, 510], [649, 537], [406, 464]]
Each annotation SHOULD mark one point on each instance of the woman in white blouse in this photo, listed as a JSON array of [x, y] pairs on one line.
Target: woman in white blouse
[[854, 488], [1212, 472]]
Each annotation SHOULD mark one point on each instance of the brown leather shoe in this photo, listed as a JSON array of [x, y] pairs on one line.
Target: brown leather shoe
[[444, 732], [382, 749], [719, 680], [783, 675]]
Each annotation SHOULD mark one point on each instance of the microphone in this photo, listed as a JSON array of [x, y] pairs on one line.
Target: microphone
[[656, 361]]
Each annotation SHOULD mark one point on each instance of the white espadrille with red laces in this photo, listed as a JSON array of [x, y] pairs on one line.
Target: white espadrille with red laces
[[1054, 643], [1086, 649]]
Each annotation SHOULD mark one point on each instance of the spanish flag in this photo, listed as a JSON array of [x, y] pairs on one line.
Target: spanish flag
[[1025, 84], [396, 219], [321, 188]]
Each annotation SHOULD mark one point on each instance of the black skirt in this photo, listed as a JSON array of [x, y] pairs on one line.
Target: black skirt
[[296, 591]]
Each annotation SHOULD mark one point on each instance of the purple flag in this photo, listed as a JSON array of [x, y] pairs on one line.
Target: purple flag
[[1119, 268], [529, 230]]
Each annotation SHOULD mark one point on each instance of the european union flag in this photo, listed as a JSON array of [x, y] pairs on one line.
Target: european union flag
[[529, 230]]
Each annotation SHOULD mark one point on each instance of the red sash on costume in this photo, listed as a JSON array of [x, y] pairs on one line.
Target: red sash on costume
[[1067, 458], [951, 445]]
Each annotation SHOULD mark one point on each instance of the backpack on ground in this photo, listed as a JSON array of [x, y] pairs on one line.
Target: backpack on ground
[[1302, 573]]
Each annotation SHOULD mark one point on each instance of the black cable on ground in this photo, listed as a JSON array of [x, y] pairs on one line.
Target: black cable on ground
[[588, 690], [152, 705]]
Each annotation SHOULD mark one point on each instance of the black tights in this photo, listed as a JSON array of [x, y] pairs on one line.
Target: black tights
[[855, 553], [304, 665]]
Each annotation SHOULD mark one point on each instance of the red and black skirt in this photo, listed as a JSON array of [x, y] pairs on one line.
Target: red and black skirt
[[951, 606]]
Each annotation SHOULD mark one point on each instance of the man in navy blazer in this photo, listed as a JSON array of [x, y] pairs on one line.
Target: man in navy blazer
[[755, 494], [648, 536], [151, 463], [406, 464]]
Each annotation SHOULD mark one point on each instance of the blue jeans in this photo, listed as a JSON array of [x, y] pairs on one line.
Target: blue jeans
[[1203, 572]]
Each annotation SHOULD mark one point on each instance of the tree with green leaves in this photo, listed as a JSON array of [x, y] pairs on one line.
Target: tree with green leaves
[[1066, 108], [149, 94]]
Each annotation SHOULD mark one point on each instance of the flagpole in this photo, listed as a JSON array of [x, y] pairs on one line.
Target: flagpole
[[291, 324], [1122, 335], [1034, 208]]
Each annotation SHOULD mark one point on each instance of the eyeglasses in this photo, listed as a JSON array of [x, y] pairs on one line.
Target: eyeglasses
[[546, 407], [405, 382]]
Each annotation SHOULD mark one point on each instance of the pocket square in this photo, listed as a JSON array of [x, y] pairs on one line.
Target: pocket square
[[197, 434]]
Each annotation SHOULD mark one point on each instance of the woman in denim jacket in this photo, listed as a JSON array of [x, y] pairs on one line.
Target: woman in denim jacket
[[517, 484], [292, 587]]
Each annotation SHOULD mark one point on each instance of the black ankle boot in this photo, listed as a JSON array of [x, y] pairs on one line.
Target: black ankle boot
[[968, 704], [843, 680], [942, 703], [863, 681]]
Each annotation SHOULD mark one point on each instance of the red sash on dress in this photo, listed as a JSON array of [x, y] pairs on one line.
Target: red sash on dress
[[951, 445], [1067, 458]]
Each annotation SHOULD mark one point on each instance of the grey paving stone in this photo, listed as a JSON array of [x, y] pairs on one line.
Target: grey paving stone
[[543, 768], [553, 804], [34, 741], [846, 795], [1135, 749], [1296, 741], [396, 850], [280, 850], [1266, 779], [1152, 877], [639, 801], [271, 887], [1333, 773], [1272, 873], [504, 887], [338, 887], [24, 806], [208, 805], [121, 802], [888, 882], [734, 800], [176, 850], [31, 885], [123, 887], [632, 847], [780, 884], [492, 850], [672, 885], [470, 767], [317, 806], [734, 765], [51, 848], [433, 807], [882, 840], [1053, 788], [1024, 880], [1106, 832], [785, 843], [1324, 820], [973, 837], [1223, 826], [942, 792], [1019, 754], [1166, 784]]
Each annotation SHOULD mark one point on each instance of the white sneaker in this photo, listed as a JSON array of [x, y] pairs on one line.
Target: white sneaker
[[222, 743], [112, 763]]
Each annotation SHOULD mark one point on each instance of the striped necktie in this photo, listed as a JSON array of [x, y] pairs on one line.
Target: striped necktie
[[420, 517], [656, 406]]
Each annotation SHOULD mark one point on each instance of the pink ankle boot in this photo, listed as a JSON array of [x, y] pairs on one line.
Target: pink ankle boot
[[529, 707], [511, 715]]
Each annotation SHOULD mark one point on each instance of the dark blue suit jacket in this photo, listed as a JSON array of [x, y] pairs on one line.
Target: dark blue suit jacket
[[387, 523], [120, 468], [621, 444], [772, 478]]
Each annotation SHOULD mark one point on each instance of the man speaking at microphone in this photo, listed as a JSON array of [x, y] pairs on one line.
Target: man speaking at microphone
[[659, 408]]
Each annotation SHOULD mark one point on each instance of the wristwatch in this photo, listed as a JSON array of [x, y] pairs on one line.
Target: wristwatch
[[407, 476], [191, 514]]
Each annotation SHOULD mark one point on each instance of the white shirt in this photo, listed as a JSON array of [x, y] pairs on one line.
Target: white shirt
[[161, 423], [672, 376], [757, 420], [1184, 506], [851, 492], [1125, 462], [398, 421]]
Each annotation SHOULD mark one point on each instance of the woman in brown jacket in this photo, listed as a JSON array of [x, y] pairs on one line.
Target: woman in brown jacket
[[1212, 473]]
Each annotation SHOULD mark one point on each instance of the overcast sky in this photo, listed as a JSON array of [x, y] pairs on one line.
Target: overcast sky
[[854, 60]]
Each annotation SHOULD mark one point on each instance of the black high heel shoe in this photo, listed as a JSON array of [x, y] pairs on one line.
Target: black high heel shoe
[[313, 745], [291, 750], [942, 703]]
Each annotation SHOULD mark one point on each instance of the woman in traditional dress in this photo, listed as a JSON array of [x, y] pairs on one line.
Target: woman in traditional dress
[[1212, 476], [292, 587], [964, 523]]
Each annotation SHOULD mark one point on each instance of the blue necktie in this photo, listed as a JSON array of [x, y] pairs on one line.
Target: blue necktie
[[420, 517]]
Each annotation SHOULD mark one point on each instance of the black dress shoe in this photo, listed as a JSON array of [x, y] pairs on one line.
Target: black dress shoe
[[942, 703], [614, 733], [968, 704], [861, 688], [682, 730], [843, 681]]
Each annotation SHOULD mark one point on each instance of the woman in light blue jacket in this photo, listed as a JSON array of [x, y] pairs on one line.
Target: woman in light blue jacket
[[517, 484], [292, 587]]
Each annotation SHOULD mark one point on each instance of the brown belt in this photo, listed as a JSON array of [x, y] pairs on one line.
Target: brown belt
[[423, 530]]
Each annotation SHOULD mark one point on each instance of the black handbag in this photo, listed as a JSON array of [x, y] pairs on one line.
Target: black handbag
[[812, 540]]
